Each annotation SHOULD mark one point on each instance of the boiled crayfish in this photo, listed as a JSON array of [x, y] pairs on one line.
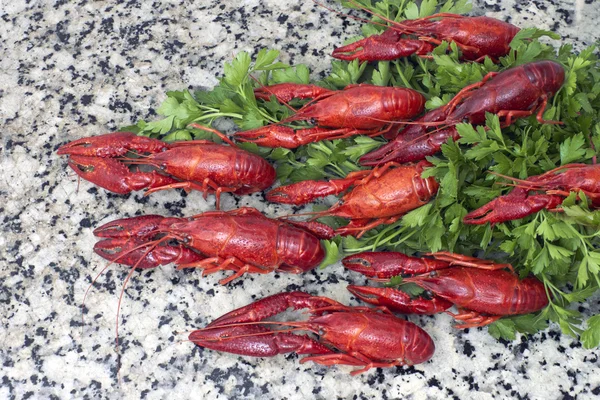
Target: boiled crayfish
[[242, 240], [476, 37], [556, 185], [515, 93], [356, 110], [194, 165], [378, 196], [356, 336], [483, 291]]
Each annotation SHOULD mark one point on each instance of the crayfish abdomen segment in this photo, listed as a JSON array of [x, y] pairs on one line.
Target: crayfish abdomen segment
[[397, 191], [298, 248], [490, 292], [379, 337], [226, 166], [253, 239]]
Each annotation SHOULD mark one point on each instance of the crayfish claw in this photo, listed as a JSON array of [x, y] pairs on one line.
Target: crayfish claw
[[112, 145], [270, 136], [107, 173], [108, 145], [511, 207], [143, 226]]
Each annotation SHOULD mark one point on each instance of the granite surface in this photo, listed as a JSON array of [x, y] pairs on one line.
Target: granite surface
[[71, 69]]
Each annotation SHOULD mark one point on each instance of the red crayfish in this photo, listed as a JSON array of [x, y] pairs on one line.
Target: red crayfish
[[483, 291], [355, 110], [357, 336], [379, 196], [476, 37], [200, 165], [242, 240], [557, 184], [515, 93]]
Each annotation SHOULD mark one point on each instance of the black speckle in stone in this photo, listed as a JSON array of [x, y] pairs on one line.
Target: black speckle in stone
[[566, 15], [468, 349], [118, 105], [40, 331], [472, 384], [524, 345], [573, 375], [63, 36], [596, 390], [27, 395], [434, 382], [282, 18], [567, 396], [27, 341], [292, 287], [107, 25], [85, 223], [86, 99], [304, 49]]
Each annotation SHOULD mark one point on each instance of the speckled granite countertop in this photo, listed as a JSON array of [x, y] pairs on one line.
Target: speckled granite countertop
[[74, 69]]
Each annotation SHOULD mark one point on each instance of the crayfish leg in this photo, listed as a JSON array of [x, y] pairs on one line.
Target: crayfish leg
[[353, 359], [207, 185], [216, 264], [463, 93], [359, 227], [472, 319], [399, 301], [467, 261]]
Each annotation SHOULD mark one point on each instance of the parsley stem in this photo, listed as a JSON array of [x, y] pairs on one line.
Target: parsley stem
[[218, 114], [406, 83]]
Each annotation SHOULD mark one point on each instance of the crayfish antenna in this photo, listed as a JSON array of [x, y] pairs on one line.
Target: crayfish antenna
[[216, 132], [523, 183], [315, 214], [359, 19], [113, 261], [293, 325], [151, 246]]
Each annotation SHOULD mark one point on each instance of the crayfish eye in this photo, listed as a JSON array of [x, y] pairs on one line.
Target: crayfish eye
[[187, 239], [433, 274], [163, 166], [428, 294]]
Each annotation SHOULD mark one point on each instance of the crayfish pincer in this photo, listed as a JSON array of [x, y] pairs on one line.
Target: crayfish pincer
[[514, 93], [355, 110], [193, 165], [242, 241], [357, 336], [555, 186], [482, 290], [378, 196]]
